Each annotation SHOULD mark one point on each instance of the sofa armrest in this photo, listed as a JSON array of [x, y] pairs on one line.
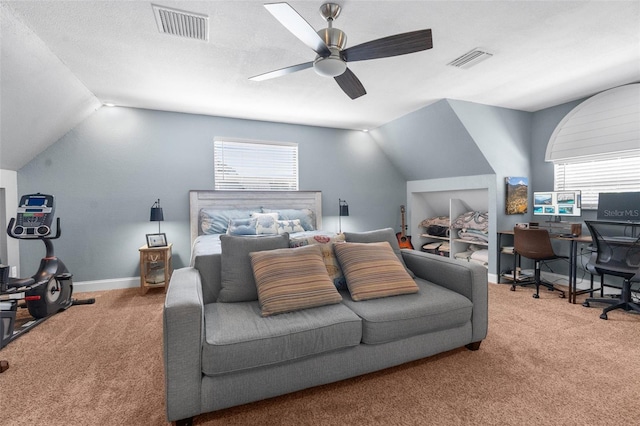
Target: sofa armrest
[[183, 319], [465, 278]]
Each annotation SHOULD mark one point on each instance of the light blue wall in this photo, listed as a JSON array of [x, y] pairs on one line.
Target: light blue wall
[[457, 139], [107, 172], [504, 138], [432, 143]]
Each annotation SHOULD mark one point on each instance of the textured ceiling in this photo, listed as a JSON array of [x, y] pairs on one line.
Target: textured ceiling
[[545, 53]]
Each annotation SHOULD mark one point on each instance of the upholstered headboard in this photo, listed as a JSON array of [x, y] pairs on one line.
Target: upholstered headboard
[[224, 200]]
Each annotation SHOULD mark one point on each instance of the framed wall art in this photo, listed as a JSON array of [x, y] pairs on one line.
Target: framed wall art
[[517, 195]]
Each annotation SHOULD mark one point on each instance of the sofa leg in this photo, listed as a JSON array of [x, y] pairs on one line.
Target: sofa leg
[[184, 422], [473, 346]]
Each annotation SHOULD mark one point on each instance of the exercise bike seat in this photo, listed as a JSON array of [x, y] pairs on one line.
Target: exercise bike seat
[[21, 282]]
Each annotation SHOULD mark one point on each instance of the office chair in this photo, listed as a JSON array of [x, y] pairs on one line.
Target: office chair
[[617, 254], [535, 244]]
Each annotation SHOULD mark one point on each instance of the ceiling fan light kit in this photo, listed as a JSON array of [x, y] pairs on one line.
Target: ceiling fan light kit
[[331, 66], [330, 46]]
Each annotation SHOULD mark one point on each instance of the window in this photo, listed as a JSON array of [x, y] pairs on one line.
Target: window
[[604, 173], [249, 165]]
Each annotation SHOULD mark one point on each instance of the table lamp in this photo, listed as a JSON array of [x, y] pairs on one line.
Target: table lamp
[[343, 209], [156, 214]]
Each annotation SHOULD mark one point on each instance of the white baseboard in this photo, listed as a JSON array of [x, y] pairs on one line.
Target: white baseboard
[[110, 284]]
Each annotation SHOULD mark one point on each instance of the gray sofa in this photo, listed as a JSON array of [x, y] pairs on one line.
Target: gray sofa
[[219, 355]]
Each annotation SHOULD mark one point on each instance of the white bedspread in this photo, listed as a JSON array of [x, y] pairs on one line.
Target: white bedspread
[[210, 244]]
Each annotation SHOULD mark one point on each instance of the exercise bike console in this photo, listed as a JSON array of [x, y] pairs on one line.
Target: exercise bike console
[[34, 217]]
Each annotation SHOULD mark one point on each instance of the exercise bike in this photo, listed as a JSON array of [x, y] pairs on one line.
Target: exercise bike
[[49, 290]]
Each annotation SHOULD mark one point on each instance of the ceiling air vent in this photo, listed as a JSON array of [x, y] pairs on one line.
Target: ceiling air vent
[[180, 23], [470, 59]]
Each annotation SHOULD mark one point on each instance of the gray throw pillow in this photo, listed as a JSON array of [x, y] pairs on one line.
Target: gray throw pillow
[[238, 283], [378, 236]]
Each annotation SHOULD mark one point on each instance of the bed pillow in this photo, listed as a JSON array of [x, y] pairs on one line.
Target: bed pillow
[[266, 223], [242, 226], [292, 279], [215, 221], [326, 243], [373, 270], [289, 226], [237, 283], [376, 236], [306, 216]]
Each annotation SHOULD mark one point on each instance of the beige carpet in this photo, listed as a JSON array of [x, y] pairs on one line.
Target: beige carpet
[[545, 362]]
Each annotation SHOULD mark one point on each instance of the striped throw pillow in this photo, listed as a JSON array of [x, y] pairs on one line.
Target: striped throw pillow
[[373, 270], [292, 279]]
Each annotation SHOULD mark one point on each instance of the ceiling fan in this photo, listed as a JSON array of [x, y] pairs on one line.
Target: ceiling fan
[[329, 44]]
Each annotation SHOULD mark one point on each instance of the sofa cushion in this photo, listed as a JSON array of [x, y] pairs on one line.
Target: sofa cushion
[[377, 236], [291, 279], [373, 270], [237, 337], [433, 308], [326, 243], [237, 282]]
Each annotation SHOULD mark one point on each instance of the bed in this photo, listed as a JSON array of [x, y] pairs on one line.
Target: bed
[[210, 213]]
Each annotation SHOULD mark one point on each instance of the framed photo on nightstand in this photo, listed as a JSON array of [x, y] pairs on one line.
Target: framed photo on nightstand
[[156, 240]]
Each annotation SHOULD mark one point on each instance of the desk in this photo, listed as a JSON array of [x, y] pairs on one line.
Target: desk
[[573, 261]]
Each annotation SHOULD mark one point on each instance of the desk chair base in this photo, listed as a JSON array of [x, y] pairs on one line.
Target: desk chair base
[[536, 295], [624, 302], [537, 281]]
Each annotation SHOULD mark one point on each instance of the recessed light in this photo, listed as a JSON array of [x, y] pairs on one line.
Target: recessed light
[[109, 104]]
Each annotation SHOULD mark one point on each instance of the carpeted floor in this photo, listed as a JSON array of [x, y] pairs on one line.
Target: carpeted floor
[[544, 362]]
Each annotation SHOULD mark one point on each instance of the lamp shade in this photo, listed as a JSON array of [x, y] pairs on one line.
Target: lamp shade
[[344, 210], [156, 214]]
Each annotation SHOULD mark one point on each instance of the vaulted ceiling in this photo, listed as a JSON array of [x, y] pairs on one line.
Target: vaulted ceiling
[[61, 60]]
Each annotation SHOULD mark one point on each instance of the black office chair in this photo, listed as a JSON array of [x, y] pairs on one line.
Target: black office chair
[[617, 254], [535, 244]]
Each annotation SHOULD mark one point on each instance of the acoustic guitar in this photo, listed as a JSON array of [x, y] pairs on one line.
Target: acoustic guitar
[[404, 241]]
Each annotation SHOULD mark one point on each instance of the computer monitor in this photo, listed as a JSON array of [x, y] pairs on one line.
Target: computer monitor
[[619, 206], [557, 203]]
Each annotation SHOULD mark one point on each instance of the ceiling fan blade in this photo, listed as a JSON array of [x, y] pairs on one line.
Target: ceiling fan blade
[[350, 84], [281, 72], [298, 27], [399, 44]]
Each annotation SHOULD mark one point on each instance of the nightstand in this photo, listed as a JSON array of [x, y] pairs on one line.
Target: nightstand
[[155, 267]]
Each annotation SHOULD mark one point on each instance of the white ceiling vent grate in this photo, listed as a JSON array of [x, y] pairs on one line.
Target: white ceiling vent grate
[[180, 23], [470, 59]]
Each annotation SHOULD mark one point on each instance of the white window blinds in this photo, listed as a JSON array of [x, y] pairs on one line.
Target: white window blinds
[[258, 166], [597, 174]]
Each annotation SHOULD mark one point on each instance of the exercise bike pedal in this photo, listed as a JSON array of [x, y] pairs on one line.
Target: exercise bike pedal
[[89, 301]]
